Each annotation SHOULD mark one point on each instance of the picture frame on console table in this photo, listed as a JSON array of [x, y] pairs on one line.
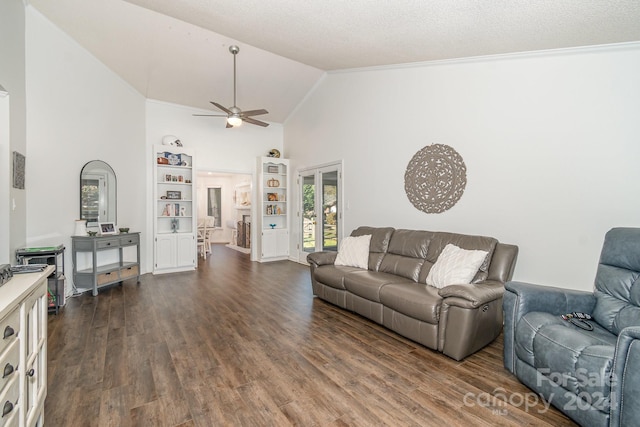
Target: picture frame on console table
[[107, 228]]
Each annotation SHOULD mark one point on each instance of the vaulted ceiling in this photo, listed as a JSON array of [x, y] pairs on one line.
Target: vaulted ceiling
[[177, 50]]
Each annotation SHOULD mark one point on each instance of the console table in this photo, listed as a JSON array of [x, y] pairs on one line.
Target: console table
[[103, 270]]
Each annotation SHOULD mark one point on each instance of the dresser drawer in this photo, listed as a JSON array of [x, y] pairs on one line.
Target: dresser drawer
[[132, 271], [9, 362], [9, 403], [107, 243], [129, 240], [103, 278], [9, 328]]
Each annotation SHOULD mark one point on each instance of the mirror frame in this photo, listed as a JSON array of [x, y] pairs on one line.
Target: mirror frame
[[102, 166]]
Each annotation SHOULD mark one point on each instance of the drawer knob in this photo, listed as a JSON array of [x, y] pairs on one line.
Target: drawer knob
[[8, 331], [31, 372], [8, 407], [8, 370]]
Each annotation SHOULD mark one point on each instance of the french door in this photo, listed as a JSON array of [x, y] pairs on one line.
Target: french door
[[320, 194]]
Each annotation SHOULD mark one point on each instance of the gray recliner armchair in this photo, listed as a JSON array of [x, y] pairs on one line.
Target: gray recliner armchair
[[593, 376]]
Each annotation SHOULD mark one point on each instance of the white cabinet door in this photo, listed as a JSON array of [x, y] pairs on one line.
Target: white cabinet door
[[186, 246], [282, 242], [36, 351], [165, 251]]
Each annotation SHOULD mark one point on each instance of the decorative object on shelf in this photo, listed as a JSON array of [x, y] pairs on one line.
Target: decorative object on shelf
[[272, 197], [171, 140], [272, 226], [123, 229], [274, 153], [163, 161], [81, 227], [435, 178], [107, 228], [174, 195], [174, 159], [273, 183], [92, 233], [174, 225], [272, 168]]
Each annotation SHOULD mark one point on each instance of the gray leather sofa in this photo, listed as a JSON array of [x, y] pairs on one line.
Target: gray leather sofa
[[456, 320], [593, 376]]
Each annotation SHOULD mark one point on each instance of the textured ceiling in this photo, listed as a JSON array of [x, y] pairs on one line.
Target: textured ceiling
[[176, 50]]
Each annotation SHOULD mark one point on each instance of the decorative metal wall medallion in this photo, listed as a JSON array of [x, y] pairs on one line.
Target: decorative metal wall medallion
[[435, 178]]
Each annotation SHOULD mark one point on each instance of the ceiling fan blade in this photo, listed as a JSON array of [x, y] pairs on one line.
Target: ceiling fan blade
[[210, 115], [226, 110], [253, 113], [255, 122]]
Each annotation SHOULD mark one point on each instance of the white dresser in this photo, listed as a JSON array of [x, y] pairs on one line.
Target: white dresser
[[23, 349]]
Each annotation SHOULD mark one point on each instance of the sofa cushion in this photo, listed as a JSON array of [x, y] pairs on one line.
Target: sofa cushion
[[455, 266], [442, 239], [333, 276], [354, 251], [367, 284], [416, 300], [618, 280], [578, 360], [380, 238], [406, 253]]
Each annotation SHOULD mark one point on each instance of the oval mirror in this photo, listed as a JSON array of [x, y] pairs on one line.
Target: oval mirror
[[97, 193]]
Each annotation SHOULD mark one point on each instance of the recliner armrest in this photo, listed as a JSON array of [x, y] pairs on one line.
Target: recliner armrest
[[474, 295], [548, 299], [322, 258], [521, 298], [625, 384]]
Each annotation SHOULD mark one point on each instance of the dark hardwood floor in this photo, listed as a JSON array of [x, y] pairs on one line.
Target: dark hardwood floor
[[238, 343]]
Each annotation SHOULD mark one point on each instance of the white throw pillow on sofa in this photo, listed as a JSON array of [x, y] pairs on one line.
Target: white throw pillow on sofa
[[455, 266], [354, 251]]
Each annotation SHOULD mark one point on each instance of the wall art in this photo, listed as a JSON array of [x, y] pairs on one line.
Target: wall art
[[18, 170], [435, 178]]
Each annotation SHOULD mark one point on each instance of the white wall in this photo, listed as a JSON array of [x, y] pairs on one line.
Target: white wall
[[78, 110], [217, 148], [550, 142], [12, 77], [5, 178]]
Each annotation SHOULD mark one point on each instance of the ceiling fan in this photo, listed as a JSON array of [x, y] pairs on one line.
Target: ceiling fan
[[236, 116]]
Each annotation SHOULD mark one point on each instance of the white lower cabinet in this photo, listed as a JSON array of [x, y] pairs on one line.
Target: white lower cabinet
[[275, 244], [23, 349], [175, 252]]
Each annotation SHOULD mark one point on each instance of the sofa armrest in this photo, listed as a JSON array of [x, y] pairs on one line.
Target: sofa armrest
[[322, 258], [625, 384], [473, 295], [521, 298]]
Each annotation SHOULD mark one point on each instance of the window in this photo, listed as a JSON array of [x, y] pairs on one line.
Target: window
[[214, 205]]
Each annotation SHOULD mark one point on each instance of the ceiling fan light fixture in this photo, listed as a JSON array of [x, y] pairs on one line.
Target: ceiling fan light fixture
[[234, 120], [236, 116]]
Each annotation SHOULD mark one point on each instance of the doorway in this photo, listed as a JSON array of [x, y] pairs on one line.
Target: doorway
[[320, 194]]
